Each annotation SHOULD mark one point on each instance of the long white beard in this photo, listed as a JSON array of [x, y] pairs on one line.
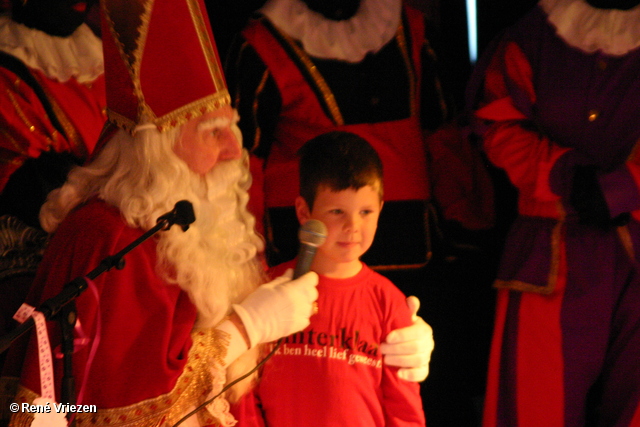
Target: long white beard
[[214, 261]]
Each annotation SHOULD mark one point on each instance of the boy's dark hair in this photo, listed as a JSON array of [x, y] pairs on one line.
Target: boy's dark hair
[[338, 160]]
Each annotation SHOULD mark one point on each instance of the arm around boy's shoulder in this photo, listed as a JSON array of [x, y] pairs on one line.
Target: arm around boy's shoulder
[[407, 344], [401, 400]]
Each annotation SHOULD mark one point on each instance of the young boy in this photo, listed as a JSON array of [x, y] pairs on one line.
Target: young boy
[[332, 373]]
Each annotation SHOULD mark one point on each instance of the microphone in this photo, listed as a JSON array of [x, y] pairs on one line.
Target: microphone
[[182, 214], [312, 234]]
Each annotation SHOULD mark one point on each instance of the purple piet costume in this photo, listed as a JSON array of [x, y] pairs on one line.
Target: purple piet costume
[[559, 111]]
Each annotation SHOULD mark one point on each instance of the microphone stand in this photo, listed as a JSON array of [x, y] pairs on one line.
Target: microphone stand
[[64, 304], [67, 320]]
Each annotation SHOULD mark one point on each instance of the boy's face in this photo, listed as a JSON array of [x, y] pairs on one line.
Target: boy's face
[[351, 217]]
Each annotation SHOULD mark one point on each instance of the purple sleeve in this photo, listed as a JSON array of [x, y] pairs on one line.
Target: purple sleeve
[[620, 191]]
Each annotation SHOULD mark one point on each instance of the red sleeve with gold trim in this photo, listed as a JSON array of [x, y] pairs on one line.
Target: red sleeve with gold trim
[[26, 129]]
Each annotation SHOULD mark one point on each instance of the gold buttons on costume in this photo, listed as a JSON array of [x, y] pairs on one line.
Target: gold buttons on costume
[[593, 115], [32, 128]]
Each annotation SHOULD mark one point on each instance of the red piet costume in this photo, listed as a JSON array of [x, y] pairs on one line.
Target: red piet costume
[[558, 113], [391, 96], [57, 106], [51, 114]]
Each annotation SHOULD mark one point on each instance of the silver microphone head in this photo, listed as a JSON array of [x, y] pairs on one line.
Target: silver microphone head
[[313, 233]]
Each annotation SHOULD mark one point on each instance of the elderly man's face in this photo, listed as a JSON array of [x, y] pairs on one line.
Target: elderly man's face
[[208, 139]]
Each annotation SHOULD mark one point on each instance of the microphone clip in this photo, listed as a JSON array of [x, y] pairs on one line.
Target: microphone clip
[[182, 215]]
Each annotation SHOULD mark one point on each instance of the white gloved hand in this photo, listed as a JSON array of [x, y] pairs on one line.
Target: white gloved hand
[[278, 308], [410, 348]]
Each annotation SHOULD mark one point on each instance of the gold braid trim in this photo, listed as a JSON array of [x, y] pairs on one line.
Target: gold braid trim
[[72, 134], [438, 84], [206, 45], [193, 387], [182, 115], [402, 44], [627, 242], [517, 285], [20, 148], [11, 159], [254, 110], [179, 116], [23, 149], [552, 281], [329, 98]]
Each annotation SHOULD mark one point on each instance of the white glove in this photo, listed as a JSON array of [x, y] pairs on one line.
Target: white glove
[[410, 348], [278, 308]]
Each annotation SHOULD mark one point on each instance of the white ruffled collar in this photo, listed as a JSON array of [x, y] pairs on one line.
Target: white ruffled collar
[[374, 25], [614, 32], [60, 58]]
